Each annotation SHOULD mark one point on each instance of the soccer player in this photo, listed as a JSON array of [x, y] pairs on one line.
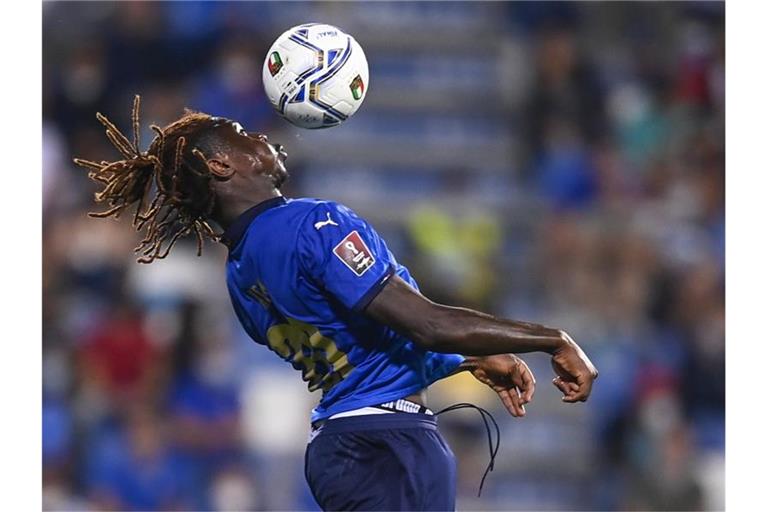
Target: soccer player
[[316, 284]]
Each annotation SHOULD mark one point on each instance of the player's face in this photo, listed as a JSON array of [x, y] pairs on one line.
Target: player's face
[[253, 153]]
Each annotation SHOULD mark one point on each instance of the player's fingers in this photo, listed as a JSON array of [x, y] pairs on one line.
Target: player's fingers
[[525, 381], [561, 385], [565, 387], [528, 388], [517, 401], [507, 401], [570, 398], [578, 392], [584, 388], [511, 401]]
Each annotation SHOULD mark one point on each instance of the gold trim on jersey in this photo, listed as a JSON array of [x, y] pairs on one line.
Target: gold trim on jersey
[[320, 361]]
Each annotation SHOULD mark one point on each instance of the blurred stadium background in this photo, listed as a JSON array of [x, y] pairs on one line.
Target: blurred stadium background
[[561, 163]]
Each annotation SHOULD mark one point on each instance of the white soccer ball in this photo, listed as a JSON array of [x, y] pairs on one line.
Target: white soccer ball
[[315, 75]]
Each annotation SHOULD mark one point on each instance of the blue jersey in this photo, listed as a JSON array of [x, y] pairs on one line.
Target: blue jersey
[[300, 273]]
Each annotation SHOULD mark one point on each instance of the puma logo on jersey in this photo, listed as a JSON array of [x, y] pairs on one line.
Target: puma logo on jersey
[[323, 223]]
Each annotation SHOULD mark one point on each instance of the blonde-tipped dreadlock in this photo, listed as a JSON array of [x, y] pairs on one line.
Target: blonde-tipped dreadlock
[[169, 183]]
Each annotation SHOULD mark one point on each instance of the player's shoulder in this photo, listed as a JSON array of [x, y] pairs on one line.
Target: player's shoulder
[[311, 204], [326, 224], [322, 210]]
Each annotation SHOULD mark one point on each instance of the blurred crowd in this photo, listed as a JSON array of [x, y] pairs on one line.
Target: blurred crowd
[[552, 162]]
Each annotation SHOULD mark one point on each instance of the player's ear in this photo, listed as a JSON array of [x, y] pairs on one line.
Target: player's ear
[[220, 169]]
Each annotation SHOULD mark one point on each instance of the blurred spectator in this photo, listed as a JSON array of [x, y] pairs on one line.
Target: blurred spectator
[[564, 171], [233, 87], [119, 359], [565, 88], [203, 405], [133, 467], [233, 489], [456, 247]]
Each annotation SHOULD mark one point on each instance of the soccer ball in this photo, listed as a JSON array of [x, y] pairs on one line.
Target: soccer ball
[[315, 75]]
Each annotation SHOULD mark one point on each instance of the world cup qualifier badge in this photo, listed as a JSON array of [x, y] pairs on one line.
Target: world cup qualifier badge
[[353, 252], [357, 87], [274, 64]]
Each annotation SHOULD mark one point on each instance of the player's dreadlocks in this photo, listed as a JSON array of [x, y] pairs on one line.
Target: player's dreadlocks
[[170, 183]]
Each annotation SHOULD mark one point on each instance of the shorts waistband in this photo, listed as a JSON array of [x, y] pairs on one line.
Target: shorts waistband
[[375, 422], [401, 405], [404, 405]]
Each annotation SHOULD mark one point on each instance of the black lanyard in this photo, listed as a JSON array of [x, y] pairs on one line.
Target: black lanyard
[[493, 450]]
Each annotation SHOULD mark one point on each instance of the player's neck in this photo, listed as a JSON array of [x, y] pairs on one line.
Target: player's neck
[[229, 209]]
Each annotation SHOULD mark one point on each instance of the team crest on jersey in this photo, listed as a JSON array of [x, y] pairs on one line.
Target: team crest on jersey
[[353, 252]]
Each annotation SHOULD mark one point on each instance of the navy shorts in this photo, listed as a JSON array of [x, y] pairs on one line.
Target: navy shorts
[[393, 461]]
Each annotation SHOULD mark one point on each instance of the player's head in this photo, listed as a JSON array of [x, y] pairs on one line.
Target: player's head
[[192, 167]]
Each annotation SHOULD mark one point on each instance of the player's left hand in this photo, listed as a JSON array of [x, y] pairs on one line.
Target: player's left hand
[[574, 372], [509, 377]]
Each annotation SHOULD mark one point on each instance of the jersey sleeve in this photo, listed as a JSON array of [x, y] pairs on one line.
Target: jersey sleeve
[[342, 254]]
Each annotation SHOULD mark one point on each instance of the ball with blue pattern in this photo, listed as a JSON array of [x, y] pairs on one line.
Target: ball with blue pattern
[[315, 75]]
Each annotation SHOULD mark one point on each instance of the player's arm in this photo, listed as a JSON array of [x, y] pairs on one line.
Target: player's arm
[[447, 329]]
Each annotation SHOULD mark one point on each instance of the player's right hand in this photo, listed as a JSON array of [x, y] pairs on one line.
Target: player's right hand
[[509, 377], [574, 372]]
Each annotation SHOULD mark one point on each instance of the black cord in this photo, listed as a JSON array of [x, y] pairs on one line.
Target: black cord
[[492, 450]]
